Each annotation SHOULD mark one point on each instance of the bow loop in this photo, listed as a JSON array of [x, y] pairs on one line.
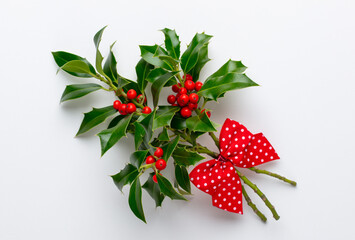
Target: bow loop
[[242, 147], [233, 138]]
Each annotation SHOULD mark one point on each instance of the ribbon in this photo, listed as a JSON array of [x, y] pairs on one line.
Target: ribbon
[[238, 148]]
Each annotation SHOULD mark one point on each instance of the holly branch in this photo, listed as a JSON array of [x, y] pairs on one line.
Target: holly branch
[[161, 131]]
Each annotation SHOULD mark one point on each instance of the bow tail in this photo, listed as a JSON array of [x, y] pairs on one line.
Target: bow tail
[[228, 195], [221, 181]]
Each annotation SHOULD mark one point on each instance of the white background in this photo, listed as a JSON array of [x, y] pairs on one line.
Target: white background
[[54, 186]]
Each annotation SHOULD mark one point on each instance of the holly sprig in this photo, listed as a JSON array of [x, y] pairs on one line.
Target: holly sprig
[[160, 132]]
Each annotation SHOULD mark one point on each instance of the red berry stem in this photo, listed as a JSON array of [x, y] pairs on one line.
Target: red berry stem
[[120, 92], [137, 103], [143, 168], [179, 77]]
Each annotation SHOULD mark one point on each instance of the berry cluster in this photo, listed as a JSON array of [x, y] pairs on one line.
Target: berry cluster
[[130, 107], [185, 97], [160, 164]]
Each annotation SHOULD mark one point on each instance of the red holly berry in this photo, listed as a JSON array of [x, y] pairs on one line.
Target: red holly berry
[[174, 105], [185, 112], [139, 98], [131, 94], [155, 178], [160, 164], [171, 99], [149, 160], [131, 108], [116, 104], [177, 96], [189, 85], [159, 152], [176, 87], [192, 106], [183, 100], [198, 86], [122, 109], [182, 91], [188, 77], [193, 98], [208, 112], [146, 110]]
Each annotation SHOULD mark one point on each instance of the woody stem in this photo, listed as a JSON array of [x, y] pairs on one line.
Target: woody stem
[[259, 193], [253, 206], [273, 175], [215, 139], [202, 149]]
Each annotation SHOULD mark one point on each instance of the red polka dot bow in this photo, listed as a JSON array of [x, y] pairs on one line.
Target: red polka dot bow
[[238, 147]]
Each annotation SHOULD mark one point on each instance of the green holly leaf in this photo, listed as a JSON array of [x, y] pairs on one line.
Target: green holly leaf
[[195, 135], [200, 123], [164, 115], [178, 122], [201, 61], [163, 55], [135, 199], [169, 148], [215, 87], [138, 134], [182, 178], [142, 69], [98, 36], [111, 136], [125, 176], [229, 67], [147, 53], [164, 136], [172, 43], [78, 68], [147, 124], [110, 66], [125, 83], [153, 190], [99, 57], [158, 85], [138, 157], [61, 58], [115, 121], [167, 188], [185, 157], [78, 90], [157, 73], [190, 57], [229, 77], [95, 117]]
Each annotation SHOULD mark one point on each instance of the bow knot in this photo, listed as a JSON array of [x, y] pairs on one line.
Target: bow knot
[[238, 148], [221, 158]]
